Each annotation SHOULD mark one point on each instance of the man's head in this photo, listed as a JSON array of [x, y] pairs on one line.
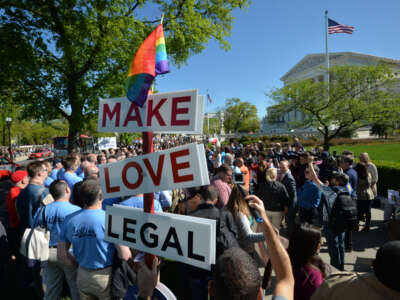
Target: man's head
[[37, 171], [198, 195], [236, 277], [60, 190], [90, 192], [92, 171], [92, 158], [111, 159], [70, 163], [304, 158], [20, 178], [57, 164], [345, 162], [387, 265], [284, 166], [224, 172], [339, 179], [238, 162]]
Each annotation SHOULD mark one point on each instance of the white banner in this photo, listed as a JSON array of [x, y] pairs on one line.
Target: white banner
[[105, 143], [179, 167], [181, 238], [175, 112]]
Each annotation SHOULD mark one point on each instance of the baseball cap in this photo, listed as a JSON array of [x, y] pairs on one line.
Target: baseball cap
[[17, 176]]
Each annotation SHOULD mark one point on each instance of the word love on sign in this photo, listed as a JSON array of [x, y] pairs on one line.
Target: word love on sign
[[181, 238], [178, 167], [164, 113]]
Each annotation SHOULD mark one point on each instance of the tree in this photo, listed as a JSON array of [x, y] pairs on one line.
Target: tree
[[79, 51], [240, 116], [215, 126], [354, 97]]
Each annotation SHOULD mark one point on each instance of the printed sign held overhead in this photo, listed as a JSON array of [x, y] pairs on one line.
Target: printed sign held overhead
[[105, 143], [173, 112], [178, 167], [181, 238]]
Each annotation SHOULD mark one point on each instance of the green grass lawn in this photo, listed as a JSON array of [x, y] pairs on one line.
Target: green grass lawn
[[385, 152]]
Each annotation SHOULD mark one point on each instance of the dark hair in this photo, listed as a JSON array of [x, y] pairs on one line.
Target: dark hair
[[342, 179], [347, 159], [236, 203], [69, 162], [76, 196], [49, 161], [224, 168], [362, 170], [387, 264], [207, 192], [34, 168], [57, 189], [89, 191], [303, 247], [236, 276]]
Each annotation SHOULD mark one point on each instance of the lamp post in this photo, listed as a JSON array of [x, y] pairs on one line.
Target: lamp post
[[8, 121]]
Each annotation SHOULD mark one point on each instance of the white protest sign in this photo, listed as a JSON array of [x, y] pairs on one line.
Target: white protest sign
[[180, 238], [105, 143], [174, 112], [178, 167]]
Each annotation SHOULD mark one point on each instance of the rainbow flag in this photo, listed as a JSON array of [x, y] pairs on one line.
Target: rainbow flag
[[149, 61]]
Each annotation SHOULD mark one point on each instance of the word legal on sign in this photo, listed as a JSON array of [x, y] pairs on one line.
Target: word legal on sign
[[178, 167], [165, 113], [186, 239]]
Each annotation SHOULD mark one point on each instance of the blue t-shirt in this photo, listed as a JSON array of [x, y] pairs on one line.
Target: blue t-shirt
[[60, 174], [54, 174], [80, 172], [109, 202], [309, 195], [27, 203], [137, 202], [164, 198], [48, 181], [353, 179], [55, 214], [71, 179], [85, 229]]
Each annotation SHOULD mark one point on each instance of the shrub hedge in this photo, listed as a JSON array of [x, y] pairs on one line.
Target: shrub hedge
[[388, 176]]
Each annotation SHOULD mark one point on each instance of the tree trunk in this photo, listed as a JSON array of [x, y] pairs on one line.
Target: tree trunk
[[75, 126], [326, 139]]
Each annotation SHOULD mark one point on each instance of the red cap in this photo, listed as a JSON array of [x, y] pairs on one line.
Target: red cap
[[17, 176]]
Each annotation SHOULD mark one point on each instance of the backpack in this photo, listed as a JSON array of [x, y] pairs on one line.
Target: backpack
[[343, 216], [226, 233]]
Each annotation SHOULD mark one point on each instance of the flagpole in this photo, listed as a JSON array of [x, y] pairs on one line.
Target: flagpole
[[326, 44], [208, 116]]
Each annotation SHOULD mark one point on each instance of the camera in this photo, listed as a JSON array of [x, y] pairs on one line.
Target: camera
[[238, 178]]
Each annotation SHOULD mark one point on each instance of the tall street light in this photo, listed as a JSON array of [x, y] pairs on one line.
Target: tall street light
[[8, 121]]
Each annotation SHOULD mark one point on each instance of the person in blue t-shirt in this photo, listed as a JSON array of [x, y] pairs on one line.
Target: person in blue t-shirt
[[84, 230], [30, 198], [55, 214], [70, 177], [308, 199], [137, 202], [27, 203]]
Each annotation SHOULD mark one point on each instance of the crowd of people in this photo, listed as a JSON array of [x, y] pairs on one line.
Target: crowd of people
[[272, 206]]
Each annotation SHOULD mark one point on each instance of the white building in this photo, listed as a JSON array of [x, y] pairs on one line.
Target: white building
[[314, 66]]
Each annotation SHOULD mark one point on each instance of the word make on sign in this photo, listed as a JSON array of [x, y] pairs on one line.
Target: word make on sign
[[165, 113], [178, 167], [181, 238]]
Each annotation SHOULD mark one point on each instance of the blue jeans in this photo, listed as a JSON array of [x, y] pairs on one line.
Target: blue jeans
[[335, 247]]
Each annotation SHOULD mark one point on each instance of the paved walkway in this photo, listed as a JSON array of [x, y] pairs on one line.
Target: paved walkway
[[365, 245]]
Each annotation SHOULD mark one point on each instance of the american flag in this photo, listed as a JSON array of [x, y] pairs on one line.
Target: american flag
[[335, 27], [209, 98]]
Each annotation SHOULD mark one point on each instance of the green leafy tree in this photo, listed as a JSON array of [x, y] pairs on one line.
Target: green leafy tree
[[78, 51], [240, 116], [215, 126], [355, 97]]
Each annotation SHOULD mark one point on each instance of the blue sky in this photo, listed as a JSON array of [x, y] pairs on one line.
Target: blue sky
[[273, 35]]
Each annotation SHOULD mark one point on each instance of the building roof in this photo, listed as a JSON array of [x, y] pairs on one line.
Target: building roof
[[316, 59]]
